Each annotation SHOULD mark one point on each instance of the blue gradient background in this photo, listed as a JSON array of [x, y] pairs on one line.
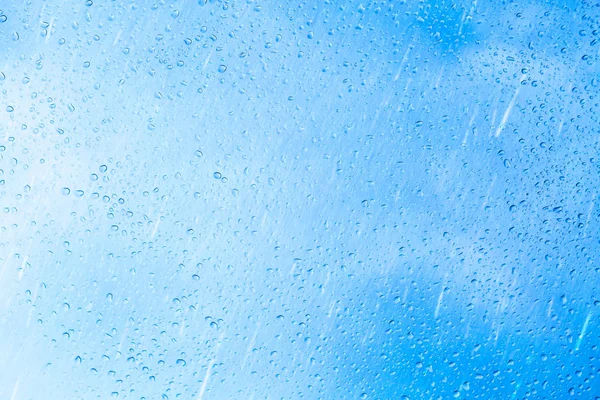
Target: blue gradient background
[[318, 200]]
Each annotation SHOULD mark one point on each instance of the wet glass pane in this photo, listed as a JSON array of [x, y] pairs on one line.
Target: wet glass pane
[[324, 199]]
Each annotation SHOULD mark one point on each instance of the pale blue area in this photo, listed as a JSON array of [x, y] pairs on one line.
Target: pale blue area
[[318, 200]]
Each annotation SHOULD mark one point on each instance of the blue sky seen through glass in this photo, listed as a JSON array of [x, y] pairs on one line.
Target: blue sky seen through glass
[[322, 200]]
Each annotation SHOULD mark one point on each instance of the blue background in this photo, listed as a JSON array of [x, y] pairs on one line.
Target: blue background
[[285, 200]]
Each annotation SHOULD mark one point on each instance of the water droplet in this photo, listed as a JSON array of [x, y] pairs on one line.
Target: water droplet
[[66, 191]]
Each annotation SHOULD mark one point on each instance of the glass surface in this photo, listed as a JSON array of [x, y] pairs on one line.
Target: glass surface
[[299, 200]]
